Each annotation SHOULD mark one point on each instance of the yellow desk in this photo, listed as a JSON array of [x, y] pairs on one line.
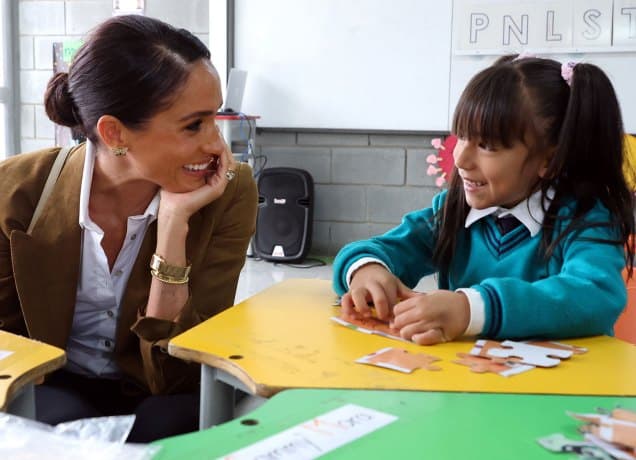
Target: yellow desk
[[28, 361], [283, 338]]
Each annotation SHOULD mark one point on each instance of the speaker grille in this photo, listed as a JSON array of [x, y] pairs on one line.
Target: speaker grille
[[285, 210]]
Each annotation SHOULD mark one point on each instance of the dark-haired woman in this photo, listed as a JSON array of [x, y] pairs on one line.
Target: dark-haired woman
[[142, 236]]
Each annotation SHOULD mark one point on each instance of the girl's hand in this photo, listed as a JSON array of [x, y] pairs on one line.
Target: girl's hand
[[434, 317], [373, 284], [186, 204]]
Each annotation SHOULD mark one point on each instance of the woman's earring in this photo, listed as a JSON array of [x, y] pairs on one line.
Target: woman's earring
[[120, 151]]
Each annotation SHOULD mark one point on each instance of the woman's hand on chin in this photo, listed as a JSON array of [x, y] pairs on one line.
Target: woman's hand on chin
[[187, 203]]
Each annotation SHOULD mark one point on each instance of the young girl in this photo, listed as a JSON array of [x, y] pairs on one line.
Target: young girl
[[532, 235]]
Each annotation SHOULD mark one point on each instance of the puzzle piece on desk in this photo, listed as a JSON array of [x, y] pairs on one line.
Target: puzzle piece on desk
[[482, 347], [481, 364], [615, 451], [575, 349], [586, 450], [370, 325], [527, 354], [608, 428], [400, 360]]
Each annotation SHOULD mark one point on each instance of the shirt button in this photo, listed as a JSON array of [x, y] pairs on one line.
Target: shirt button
[[110, 313], [118, 273], [107, 343], [133, 236]]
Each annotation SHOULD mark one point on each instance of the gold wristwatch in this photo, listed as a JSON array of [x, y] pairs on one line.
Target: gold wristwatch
[[166, 273]]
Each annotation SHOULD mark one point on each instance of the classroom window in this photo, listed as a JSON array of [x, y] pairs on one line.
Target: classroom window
[[7, 106]]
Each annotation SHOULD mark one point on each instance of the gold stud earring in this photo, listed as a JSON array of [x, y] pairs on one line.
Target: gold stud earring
[[120, 151]]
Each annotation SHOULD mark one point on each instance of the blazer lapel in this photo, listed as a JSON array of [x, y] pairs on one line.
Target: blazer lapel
[[46, 263]]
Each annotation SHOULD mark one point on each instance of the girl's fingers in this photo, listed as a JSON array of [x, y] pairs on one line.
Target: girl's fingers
[[360, 299], [430, 337], [346, 304], [380, 301], [404, 292]]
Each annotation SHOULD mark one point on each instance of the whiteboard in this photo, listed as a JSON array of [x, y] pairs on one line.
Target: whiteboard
[[395, 65], [345, 64]]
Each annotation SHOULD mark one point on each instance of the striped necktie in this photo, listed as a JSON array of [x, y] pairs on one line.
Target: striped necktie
[[507, 223]]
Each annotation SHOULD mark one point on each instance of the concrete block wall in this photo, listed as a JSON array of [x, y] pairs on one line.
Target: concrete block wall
[[43, 22], [364, 183]]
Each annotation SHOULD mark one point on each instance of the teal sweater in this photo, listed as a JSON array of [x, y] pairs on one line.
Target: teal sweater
[[579, 291]]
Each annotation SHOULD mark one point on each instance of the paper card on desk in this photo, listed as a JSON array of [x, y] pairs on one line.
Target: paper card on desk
[[481, 364], [316, 437], [525, 353], [400, 360], [575, 349], [369, 326], [559, 443], [5, 354]]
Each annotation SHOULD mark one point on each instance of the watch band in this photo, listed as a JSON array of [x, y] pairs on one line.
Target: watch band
[[167, 273]]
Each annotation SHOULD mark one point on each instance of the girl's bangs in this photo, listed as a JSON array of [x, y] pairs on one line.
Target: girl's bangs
[[490, 109]]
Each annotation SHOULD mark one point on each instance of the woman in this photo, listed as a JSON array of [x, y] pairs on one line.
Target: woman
[[143, 235]]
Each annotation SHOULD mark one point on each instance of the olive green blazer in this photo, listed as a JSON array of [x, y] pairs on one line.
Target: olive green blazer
[[39, 272]]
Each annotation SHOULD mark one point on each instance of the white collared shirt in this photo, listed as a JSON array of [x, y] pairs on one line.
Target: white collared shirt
[[529, 212], [91, 344]]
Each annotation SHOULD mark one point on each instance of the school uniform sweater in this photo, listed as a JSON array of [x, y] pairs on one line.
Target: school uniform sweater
[[578, 291]]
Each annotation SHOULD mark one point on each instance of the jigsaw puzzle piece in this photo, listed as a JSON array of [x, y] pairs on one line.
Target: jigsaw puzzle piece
[[529, 354], [400, 360], [482, 364]]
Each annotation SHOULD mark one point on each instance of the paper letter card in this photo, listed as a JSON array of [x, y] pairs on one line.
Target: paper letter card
[[317, 436]]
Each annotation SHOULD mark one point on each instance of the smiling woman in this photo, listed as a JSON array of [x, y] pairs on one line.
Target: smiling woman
[[151, 216]]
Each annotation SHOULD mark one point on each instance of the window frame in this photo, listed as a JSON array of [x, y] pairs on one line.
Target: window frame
[[9, 93]]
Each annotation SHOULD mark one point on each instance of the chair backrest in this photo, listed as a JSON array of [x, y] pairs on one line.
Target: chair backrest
[[625, 326]]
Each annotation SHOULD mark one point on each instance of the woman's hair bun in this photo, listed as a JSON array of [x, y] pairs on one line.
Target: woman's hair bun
[[58, 101]]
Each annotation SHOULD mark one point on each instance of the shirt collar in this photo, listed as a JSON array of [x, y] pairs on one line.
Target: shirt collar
[[529, 212], [85, 192]]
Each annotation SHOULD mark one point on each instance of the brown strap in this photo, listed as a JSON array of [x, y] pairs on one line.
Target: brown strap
[[58, 164]]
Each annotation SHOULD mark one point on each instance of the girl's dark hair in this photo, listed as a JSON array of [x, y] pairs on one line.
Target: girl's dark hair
[[581, 121], [130, 67]]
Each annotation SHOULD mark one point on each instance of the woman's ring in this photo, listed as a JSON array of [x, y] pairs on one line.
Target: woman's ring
[[230, 174]]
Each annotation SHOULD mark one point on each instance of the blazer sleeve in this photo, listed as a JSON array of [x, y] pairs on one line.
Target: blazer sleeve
[[212, 285]]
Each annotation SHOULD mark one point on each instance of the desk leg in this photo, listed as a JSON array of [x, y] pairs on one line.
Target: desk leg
[[217, 399], [24, 402]]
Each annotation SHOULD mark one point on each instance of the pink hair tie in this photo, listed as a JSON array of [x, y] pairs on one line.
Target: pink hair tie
[[567, 69]]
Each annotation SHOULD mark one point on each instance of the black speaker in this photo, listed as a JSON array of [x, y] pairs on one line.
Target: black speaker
[[285, 213]]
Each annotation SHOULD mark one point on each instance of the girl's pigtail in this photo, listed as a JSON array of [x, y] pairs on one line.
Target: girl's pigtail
[[591, 149]]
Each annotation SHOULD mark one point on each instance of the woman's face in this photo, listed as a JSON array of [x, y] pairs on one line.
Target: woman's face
[[497, 176], [176, 146]]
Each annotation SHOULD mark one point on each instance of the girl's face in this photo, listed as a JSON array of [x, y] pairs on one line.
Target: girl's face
[[496, 175], [177, 145]]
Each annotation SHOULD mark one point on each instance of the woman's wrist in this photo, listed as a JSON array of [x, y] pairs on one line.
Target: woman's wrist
[[171, 240]]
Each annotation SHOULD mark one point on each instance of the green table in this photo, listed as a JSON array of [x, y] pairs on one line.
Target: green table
[[431, 425]]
